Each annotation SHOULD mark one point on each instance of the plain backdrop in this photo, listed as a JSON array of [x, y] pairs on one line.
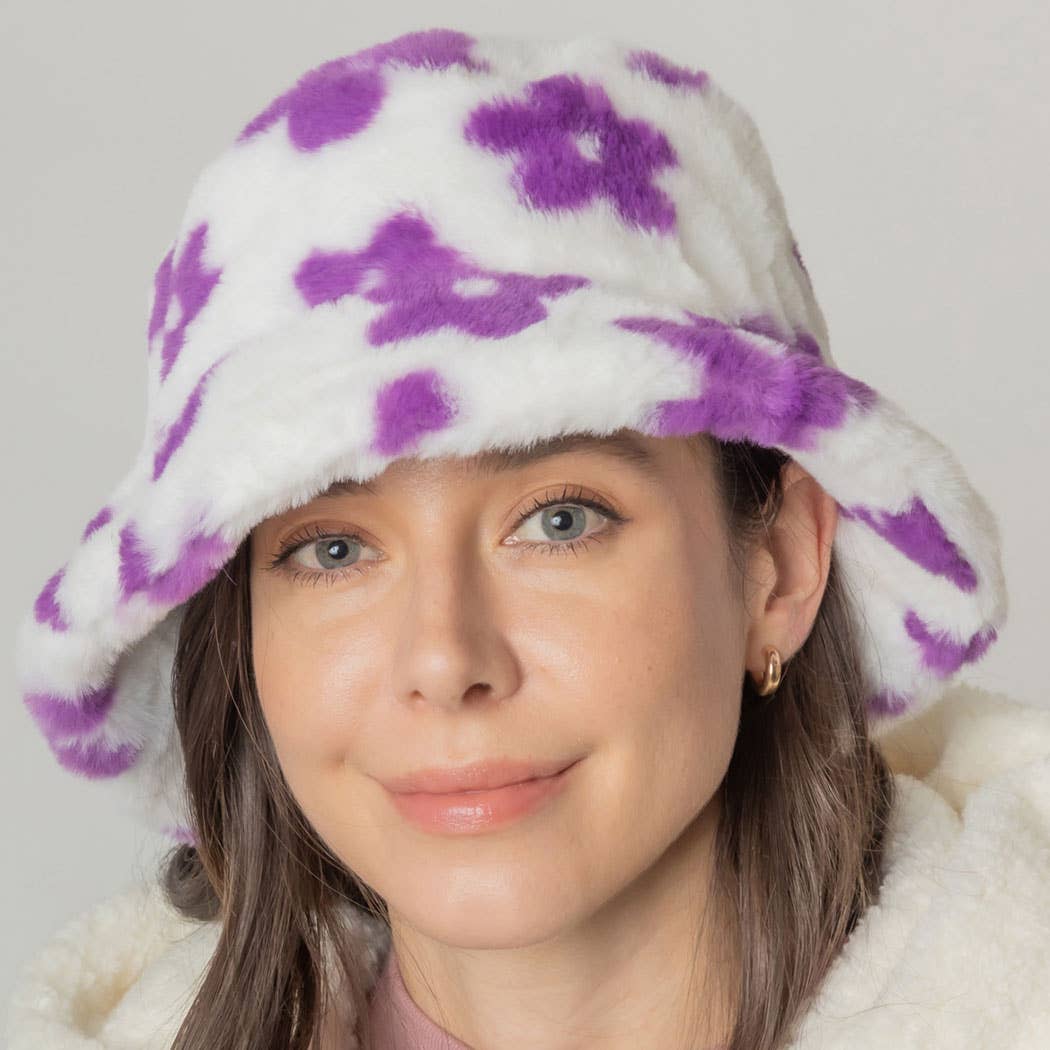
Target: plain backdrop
[[910, 140]]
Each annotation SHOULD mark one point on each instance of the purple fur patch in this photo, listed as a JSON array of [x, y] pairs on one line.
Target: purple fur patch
[[60, 717], [329, 103], [659, 68], [96, 760], [749, 394], [341, 97], [199, 560], [178, 430], [191, 284], [161, 295], [429, 48], [559, 115], [887, 703], [798, 340], [103, 517], [134, 567], [420, 282], [940, 652], [916, 533], [407, 408], [46, 608]]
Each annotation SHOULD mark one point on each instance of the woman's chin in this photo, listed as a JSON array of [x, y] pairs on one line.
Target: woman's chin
[[509, 922]]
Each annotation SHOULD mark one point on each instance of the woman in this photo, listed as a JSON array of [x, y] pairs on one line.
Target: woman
[[449, 309]]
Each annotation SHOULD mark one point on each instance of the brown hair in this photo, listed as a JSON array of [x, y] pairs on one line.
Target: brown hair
[[798, 852]]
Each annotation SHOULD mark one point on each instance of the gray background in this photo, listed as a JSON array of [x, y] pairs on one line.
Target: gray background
[[910, 140]]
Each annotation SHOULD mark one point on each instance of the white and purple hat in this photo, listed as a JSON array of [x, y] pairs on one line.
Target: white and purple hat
[[445, 244]]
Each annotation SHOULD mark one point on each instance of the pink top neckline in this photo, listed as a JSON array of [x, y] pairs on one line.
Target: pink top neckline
[[395, 1020], [397, 1023]]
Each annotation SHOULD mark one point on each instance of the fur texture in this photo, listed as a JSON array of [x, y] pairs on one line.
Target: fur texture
[[956, 954], [445, 244]]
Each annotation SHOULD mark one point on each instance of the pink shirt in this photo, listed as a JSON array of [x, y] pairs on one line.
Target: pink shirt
[[397, 1023]]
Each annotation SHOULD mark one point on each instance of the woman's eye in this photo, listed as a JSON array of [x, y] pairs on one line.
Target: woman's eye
[[560, 524], [553, 525], [329, 554]]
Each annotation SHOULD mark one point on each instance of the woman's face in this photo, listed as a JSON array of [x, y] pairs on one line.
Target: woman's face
[[421, 624]]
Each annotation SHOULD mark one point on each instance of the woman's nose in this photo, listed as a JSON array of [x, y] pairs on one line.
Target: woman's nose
[[451, 645]]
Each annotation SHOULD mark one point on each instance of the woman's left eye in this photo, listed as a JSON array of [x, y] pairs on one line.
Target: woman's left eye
[[561, 521]]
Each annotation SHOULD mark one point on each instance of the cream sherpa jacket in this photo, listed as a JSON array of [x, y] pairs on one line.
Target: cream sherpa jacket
[[955, 955]]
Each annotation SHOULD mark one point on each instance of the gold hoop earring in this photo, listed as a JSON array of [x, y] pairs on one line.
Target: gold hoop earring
[[774, 669]]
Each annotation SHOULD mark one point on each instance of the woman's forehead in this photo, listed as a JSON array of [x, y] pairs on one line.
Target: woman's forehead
[[649, 459], [626, 446]]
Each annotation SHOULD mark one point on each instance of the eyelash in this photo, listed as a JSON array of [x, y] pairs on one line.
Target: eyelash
[[569, 496]]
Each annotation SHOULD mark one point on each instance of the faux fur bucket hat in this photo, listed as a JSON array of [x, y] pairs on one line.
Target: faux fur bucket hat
[[446, 244]]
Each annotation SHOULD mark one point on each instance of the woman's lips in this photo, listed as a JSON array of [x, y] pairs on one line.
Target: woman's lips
[[466, 812]]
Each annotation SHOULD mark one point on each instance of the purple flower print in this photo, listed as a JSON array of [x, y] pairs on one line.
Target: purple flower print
[[407, 408], [799, 340], [103, 517], [427, 48], [426, 286], [332, 102], [917, 534], [96, 760], [749, 394], [341, 97], [940, 652], [199, 559], [46, 608], [178, 430], [573, 147], [659, 68], [188, 282], [66, 721], [60, 717]]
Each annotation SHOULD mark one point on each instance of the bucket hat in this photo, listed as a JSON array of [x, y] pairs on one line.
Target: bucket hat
[[445, 244]]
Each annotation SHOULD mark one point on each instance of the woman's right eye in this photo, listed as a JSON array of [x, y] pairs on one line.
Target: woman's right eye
[[322, 555], [331, 552]]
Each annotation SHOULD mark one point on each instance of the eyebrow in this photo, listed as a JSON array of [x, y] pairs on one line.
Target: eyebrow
[[622, 446]]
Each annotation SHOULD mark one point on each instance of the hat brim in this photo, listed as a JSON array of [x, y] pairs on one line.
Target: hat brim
[[277, 418]]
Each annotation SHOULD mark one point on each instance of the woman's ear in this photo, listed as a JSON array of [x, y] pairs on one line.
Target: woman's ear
[[789, 569]]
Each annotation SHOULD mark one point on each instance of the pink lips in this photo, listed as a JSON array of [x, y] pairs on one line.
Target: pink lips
[[475, 777], [482, 808]]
